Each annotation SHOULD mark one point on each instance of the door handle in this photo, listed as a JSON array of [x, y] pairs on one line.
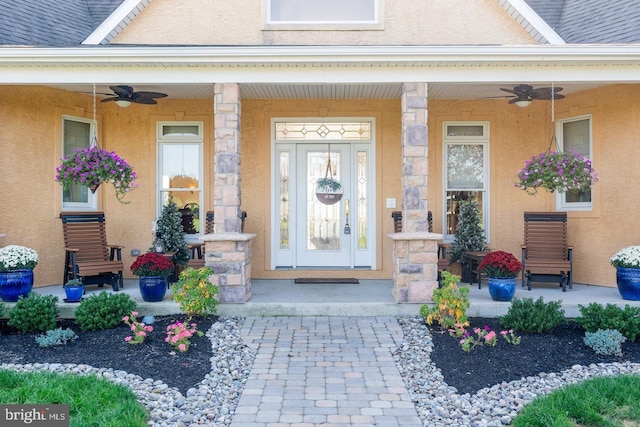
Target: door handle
[[347, 229]]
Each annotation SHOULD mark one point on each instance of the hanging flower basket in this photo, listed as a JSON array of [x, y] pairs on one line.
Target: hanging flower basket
[[328, 191], [556, 171], [93, 166]]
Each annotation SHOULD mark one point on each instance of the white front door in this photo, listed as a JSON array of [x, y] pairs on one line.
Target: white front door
[[323, 232], [306, 232]]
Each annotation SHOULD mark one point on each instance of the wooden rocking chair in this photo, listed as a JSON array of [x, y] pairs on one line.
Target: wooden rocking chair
[[87, 254], [546, 256]]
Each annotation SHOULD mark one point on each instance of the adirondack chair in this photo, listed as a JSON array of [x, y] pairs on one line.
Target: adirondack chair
[[546, 256], [87, 254], [196, 250]]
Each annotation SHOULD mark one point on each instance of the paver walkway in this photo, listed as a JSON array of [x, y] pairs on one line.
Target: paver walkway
[[329, 371]]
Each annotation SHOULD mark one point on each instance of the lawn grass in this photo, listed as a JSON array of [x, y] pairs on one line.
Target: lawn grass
[[601, 402], [93, 401]]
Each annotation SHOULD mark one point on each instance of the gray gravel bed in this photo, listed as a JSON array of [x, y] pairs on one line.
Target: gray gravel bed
[[213, 401]]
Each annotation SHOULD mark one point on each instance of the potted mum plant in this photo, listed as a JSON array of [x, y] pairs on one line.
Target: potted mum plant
[[556, 171], [93, 166], [153, 269], [627, 264], [16, 271], [502, 268]]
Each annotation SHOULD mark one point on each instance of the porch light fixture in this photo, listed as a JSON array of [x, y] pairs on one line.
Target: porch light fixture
[[123, 103], [523, 103]]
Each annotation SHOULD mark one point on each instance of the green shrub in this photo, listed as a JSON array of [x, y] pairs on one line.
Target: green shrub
[[450, 304], [525, 315], [104, 310], [195, 293], [605, 341], [56, 337], [626, 321], [35, 313]]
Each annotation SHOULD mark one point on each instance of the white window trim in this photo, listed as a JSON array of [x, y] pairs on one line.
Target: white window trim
[[466, 140], [377, 24], [180, 139], [561, 203], [92, 200]]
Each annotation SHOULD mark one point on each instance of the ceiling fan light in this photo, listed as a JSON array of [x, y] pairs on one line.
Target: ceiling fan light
[[123, 103], [522, 103]]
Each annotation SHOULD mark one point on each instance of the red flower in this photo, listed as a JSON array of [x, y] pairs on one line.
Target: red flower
[[152, 264], [500, 264]]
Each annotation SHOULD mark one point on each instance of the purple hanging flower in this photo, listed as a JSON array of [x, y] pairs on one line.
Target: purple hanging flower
[[556, 171], [93, 166]]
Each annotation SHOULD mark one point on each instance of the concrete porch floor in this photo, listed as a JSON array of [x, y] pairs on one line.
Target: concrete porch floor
[[368, 298]]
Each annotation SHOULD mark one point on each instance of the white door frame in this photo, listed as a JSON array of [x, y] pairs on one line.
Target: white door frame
[[284, 250]]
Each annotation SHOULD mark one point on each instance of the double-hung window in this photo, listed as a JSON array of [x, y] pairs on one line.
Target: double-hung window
[[76, 134], [574, 134], [466, 172], [180, 172]]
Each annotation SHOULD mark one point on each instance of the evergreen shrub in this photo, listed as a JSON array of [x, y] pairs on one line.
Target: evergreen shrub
[[596, 316], [525, 315], [103, 310], [35, 313]]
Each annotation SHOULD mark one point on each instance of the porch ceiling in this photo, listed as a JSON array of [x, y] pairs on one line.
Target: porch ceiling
[[333, 91]]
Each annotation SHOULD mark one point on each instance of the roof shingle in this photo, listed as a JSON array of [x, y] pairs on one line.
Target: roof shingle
[[49, 23]]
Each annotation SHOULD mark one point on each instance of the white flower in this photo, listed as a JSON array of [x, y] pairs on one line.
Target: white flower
[[14, 257], [628, 257]]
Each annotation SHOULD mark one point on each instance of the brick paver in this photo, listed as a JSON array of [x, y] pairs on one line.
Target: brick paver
[[329, 371]]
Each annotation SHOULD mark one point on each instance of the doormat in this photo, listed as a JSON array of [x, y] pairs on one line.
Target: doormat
[[326, 281]]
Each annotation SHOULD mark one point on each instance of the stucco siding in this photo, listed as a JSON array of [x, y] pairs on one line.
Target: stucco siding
[[241, 22], [30, 142]]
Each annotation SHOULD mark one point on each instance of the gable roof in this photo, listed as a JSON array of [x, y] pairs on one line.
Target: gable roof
[[75, 22], [51, 23], [591, 21]]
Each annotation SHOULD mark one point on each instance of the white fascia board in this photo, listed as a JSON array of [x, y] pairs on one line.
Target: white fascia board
[[320, 64], [117, 18], [317, 55], [531, 16], [531, 74]]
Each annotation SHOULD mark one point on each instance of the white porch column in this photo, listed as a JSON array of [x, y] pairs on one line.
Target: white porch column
[[415, 250], [227, 250]]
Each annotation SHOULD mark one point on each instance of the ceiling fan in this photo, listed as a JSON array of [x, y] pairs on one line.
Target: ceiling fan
[[125, 95], [524, 94]]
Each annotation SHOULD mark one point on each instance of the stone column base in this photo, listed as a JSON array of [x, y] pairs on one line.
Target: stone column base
[[415, 260], [229, 255]]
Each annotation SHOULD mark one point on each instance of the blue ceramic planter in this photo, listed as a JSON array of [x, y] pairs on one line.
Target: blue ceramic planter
[[153, 288], [14, 284], [502, 288], [74, 293], [628, 280]]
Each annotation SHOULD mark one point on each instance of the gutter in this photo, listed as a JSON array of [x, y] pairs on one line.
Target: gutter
[[419, 56]]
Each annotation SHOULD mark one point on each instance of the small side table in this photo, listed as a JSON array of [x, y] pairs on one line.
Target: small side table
[[475, 258]]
